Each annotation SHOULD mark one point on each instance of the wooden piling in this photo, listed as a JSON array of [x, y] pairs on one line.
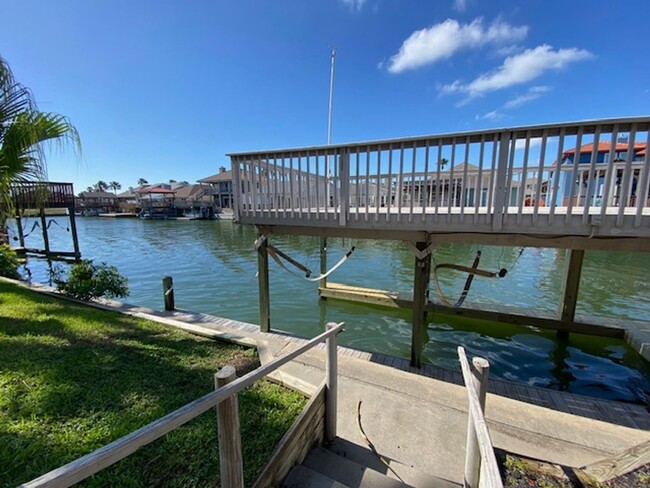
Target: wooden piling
[[230, 456], [263, 284], [73, 229], [331, 397], [168, 292], [571, 287], [420, 300], [21, 235], [46, 240], [480, 371], [323, 261]]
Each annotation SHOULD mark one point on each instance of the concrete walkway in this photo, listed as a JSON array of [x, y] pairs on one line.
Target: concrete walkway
[[419, 421]]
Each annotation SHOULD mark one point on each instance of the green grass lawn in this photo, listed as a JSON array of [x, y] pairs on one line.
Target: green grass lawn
[[73, 379]]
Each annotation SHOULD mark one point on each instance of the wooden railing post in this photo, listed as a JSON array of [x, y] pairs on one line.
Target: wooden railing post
[[480, 371], [332, 385], [231, 467], [168, 292]]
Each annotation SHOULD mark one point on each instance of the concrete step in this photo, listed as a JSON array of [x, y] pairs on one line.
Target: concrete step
[[407, 473], [303, 477], [348, 472]]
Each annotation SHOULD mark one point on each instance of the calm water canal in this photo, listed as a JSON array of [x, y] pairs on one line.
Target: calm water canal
[[214, 265]]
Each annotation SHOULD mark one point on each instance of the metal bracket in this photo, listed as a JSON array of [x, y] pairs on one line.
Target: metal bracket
[[420, 254], [260, 240]]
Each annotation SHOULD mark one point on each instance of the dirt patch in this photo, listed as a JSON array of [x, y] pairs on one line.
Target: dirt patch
[[520, 472]]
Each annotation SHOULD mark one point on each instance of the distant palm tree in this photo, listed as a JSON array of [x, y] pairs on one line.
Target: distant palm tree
[[101, 186], [142, 182], [114, 185], [89, 189], [443, 163], [23, 130]]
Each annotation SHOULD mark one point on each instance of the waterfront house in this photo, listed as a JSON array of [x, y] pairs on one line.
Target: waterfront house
[[127, 201], [95, 202], [158, 199], [600, 158], [194, 200], [219, 186]]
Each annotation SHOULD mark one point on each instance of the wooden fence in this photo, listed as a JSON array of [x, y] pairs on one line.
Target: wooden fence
[[224, 397], [481, 468]]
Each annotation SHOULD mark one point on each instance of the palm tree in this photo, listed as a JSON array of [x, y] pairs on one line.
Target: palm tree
[[23, 130], [101, 186], [142, 182], [443, 163], [114, 185]]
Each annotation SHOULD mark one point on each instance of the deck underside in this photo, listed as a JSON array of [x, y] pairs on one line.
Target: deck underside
[[541, 227]]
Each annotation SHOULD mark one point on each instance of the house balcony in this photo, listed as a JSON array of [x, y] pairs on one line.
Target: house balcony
[[512, 184]]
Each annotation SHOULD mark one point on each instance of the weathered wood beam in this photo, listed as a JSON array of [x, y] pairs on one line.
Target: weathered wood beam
[[75, 237], [420, 299], [263, 284], [46, 240], [571, 285], [504, 314], [627, 244]]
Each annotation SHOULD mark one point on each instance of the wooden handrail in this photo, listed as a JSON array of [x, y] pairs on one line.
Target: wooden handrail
[[103, 457], [489, 470]]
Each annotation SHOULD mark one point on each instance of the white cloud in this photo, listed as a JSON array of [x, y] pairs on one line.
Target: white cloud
[[459, 5], [494, 115], [519, 69], [533, 93], [508, 50], [534, 142], [355, 5], [441, 41]]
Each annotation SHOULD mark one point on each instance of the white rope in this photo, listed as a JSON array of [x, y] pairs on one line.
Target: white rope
[[317, 278]]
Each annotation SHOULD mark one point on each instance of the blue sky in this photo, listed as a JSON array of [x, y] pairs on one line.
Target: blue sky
[[165, 89]]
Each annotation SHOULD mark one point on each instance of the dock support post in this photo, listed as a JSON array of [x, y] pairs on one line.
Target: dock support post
[[168, 293], [331, 402], [21, 235], [263, 283], [480, 370], [75, 238], [420, 299], [46, 240], [571, 287], [323, 261], [230, 457]]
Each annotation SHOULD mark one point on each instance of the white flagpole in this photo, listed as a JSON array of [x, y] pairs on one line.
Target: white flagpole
[[329, 128]]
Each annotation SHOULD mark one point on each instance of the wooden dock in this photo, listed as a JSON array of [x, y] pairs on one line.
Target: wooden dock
[[625, 414]]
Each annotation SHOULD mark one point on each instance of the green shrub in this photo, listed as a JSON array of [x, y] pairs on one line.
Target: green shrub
[[9, 262], [87, 280]]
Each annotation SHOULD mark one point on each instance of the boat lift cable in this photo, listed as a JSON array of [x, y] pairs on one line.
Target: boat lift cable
[[472, 271], [276, 254]]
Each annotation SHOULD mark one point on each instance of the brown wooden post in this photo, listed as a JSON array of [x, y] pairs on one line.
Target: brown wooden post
[[263, 284], [331, 398], [230, 458], [323, 261], [46, 240], [480, 372], [73, 229], [21, 235], [571, 287], [168, 293], [420, 299]]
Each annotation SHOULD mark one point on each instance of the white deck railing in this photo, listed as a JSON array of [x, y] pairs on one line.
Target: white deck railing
[[481, 467], [497, 180]]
